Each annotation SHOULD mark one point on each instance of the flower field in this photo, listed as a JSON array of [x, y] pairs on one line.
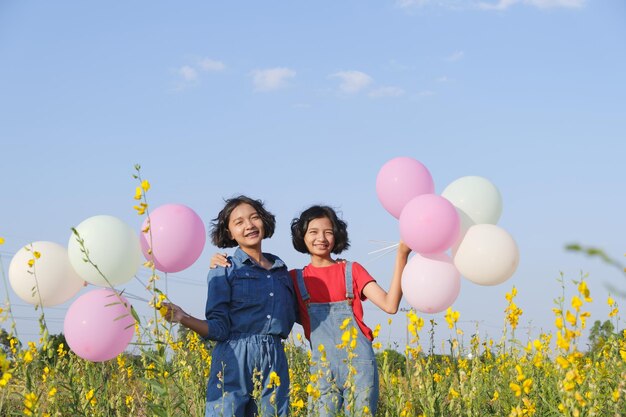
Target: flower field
[[548, 376]]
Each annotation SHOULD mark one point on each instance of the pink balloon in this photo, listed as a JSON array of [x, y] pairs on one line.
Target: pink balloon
[[178, 237], [431, 283], [99, 325], [400, 180], [429, 224]]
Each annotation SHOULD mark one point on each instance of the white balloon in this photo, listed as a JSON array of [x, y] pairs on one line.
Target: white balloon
[[477, 197], [487, 255], [50, 281], [113, 247]]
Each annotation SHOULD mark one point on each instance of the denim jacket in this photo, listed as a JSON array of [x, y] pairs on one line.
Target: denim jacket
[[245, 298]]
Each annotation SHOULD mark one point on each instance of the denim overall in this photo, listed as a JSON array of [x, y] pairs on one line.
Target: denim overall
[[326, 320]]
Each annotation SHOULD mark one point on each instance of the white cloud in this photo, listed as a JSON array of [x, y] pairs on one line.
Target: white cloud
[[456, 56], [488, 5], [207, 64], [411, 3], [271, 79], [188, 73], [352, 81], [386, 92], [542, 4], [443, 79]]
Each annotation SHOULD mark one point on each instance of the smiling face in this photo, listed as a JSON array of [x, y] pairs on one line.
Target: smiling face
[[319, 237], [246, 226]]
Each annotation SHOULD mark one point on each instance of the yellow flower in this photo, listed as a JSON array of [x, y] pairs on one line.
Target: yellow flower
[[138, 193], [145, 185], [52, 392], [141, 208], [576, 303], [1, 241], [344, 324], [454, 393], [584, 291], [5, 379], [509, 296], [558, 322], [274, 380], [314, 392], [452, 317], [129, 400], [526, 385], [298, 404], [610, 301], [571, 319], [30, 401], [496, 395], [516, 389], [376, 331], [615, 395], [31, 262], [563, 363]]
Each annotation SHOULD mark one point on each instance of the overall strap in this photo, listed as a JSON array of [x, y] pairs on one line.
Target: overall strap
[[349, 291], [300, 280]]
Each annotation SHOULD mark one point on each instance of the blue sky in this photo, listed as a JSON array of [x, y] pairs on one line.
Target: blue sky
[[300, 103]]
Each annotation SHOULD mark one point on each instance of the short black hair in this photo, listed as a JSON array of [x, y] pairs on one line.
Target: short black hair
[[219, 225], [300, 225]]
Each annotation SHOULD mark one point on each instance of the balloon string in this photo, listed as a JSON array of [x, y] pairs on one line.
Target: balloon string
[[388, 251], [387, 248], [134, 297]]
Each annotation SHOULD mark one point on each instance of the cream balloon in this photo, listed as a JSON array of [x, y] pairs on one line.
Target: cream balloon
[[113, 247], [477, 197], [50, 281], [487, 255]]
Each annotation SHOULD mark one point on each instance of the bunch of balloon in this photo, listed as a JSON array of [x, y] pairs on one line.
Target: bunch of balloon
[[429, 225], [484, 253], [173, 237], [104, 251]]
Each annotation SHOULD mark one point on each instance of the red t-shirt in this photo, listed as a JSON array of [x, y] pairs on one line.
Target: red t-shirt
[[328, 284]]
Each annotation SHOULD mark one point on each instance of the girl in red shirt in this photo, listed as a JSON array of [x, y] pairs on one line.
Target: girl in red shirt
[[329, 295]]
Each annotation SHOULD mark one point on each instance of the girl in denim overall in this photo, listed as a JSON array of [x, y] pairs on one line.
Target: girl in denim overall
[[329, 295], [250, 310]]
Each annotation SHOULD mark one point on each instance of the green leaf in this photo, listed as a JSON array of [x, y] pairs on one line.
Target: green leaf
[[158, 410]]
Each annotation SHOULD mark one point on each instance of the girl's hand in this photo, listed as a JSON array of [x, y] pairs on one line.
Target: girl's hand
[[173, 313], [403, 248], [219, 259]]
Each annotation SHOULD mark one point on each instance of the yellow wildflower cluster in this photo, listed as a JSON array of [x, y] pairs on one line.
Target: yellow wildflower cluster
[[513, 312]]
